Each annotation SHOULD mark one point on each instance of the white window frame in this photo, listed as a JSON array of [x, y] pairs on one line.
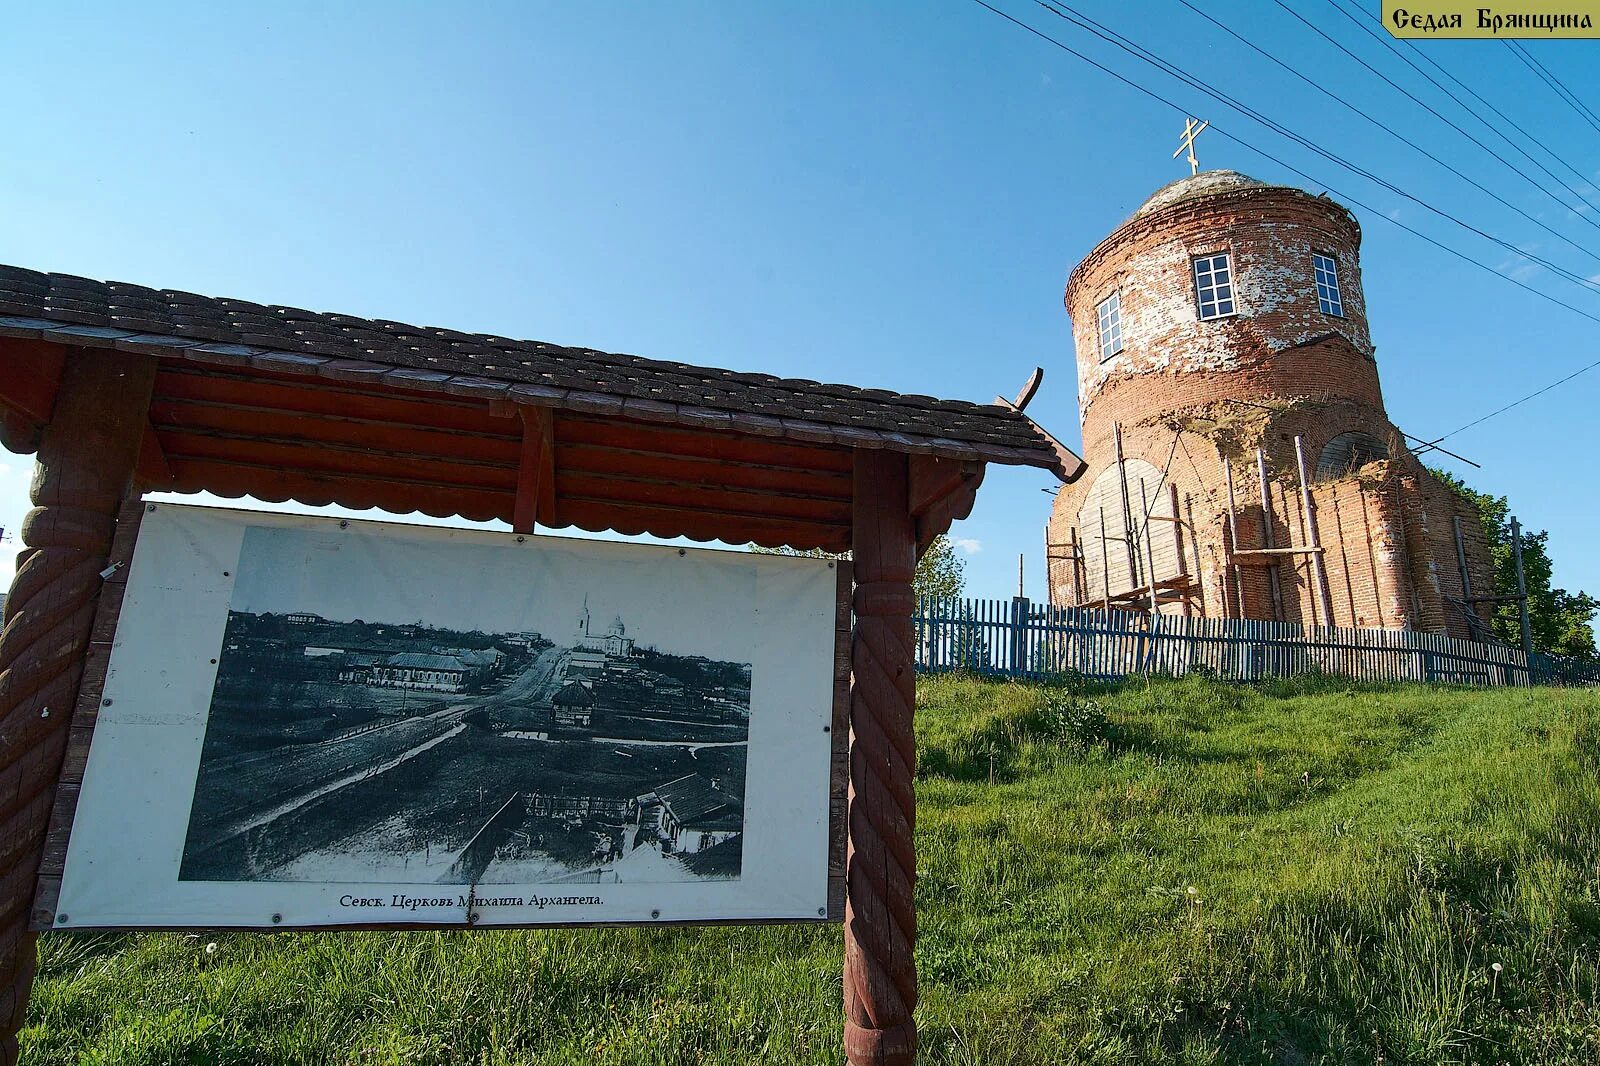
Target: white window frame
[[1108, 318], [1325, 271], [1213, 286]]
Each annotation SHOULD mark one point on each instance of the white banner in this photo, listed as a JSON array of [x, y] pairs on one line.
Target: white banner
[[310, 722]]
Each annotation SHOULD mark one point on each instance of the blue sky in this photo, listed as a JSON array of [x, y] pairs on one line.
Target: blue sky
[[886, 194]]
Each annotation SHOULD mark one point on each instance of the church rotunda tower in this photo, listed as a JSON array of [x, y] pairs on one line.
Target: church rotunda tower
[[1222, 340]]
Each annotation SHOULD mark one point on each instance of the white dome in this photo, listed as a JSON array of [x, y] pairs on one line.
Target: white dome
[[1205, 183]]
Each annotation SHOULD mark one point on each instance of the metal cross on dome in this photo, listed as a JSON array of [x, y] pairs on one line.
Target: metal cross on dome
[[1190, 132]]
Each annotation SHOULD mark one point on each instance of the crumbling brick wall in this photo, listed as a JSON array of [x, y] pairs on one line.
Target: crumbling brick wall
[[1194, 400]]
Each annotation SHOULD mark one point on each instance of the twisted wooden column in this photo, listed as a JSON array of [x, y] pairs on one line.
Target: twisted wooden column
[[85, 465], [880, 918]]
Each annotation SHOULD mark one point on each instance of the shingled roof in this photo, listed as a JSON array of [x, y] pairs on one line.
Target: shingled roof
[[79, 311]]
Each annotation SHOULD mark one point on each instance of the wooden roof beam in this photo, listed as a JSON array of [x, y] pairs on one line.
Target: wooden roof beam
[[941, 492], [29, 372]]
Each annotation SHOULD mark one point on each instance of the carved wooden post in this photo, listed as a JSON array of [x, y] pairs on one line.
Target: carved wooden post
[[85, 466], [880, 918]]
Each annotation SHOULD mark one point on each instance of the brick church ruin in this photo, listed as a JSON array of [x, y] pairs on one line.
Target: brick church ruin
[[1228, 390]]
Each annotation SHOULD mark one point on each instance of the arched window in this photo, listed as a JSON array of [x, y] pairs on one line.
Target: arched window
[[1347, 453]]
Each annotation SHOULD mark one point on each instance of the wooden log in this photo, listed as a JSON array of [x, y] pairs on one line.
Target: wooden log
[[87, 456], [880, 924]]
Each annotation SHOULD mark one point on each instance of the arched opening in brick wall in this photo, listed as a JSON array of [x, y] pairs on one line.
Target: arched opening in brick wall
[[1347, 453], [1121, 566]]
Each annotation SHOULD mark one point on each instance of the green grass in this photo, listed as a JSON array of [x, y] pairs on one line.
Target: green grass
[[1182, 873]]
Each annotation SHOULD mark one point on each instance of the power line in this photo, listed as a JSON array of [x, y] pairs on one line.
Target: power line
[[1551, 80], [1146, 56], [1263, 153], [1152, 94], [1432, 111], [1538, 142], [1342, 102], [1342, 6], [1519, 402]]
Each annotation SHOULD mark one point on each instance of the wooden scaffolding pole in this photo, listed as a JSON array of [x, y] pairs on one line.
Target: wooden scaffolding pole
[[1318, 572], [1127, 510], [1461, 560], [1077, 567], [85, 467], [1105, 560], [880, 919], [1267, 535], [1177, 543], [1232, 545], [1149, 552]]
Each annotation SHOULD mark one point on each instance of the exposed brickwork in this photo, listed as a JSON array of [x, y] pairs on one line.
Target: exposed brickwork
[[1192, 396]]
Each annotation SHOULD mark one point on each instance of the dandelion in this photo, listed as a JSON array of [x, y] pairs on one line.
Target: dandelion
[[211, 948]]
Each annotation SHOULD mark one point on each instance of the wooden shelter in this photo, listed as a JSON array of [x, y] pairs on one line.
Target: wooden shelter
[[120, 389]]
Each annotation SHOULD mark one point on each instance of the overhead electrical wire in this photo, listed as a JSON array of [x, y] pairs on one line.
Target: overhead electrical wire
[[1263, 153], [1567, 96], [1314, 28], [1342, 102], [1146, 56], [1538, 142], [1157, 97], [1518, 402], [1342, 6]]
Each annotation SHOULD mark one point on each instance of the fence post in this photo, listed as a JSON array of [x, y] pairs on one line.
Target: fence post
[[1019, 634], [1522, 597]]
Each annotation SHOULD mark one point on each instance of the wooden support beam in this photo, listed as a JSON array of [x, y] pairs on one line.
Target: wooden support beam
[[1175, 589], [87, 455], [536, 470], [940, 493], [1230, 543], [1247, 552], [153, 473], [1177, 541], [29, 373], [932, 479], [1127, 507], [1267, 535], [1149, 549], [1318, 573], [880, 921]]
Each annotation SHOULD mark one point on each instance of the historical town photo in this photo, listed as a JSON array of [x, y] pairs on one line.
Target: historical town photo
[[370, 748]]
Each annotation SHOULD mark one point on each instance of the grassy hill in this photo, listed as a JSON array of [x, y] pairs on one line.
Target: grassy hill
[[1187, 872]]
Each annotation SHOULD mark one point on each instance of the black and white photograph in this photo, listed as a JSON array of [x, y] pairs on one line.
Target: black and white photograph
[[588, 745]]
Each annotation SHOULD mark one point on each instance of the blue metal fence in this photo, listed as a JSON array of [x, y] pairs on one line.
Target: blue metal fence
[[1018, 638]]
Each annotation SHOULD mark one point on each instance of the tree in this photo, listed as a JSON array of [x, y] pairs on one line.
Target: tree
[[1559, 620], [941, 573]]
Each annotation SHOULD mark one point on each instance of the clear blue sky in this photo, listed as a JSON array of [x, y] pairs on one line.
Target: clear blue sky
[[887, 194]]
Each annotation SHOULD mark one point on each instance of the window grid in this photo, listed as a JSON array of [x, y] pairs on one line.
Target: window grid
[[1109, 311], [1213, 286], [1327, 274]]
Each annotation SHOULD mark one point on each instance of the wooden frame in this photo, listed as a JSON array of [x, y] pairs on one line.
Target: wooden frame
[[114, 412], [86, 713]]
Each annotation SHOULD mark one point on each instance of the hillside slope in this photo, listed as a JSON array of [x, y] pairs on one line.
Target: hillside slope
[[1185, 873]]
